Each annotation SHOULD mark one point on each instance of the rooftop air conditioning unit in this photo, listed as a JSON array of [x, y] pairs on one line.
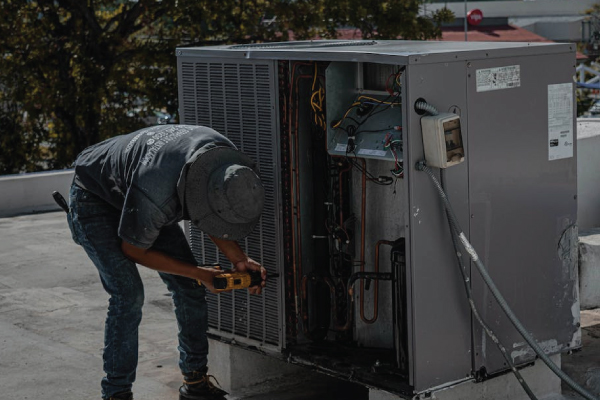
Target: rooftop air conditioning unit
[[368, 281]]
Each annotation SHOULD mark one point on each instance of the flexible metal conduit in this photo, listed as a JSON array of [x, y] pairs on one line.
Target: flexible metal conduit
[[428, 108], [456, 229]]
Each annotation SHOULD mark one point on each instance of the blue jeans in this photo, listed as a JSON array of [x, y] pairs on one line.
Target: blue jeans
[[94, 224]]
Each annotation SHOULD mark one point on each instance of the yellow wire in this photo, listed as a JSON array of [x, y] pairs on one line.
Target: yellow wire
[[312, 101], [317, 105], [345, 115], [375, 100]]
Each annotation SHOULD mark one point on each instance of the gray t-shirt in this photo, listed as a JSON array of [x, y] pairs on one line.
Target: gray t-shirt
[[138, 174]]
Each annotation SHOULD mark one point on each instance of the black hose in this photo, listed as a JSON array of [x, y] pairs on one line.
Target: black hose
[[455, 226], [485, 326]]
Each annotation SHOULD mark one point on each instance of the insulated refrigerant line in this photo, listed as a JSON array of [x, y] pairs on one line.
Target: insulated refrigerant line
[[457, 231]]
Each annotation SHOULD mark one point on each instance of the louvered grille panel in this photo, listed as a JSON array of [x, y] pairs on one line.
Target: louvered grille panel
[[188, 82], [202, 94], [239, 101]]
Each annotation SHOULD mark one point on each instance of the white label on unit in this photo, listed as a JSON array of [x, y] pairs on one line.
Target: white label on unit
[[498, 78], [560, 121], [341, 147], [369, 152]]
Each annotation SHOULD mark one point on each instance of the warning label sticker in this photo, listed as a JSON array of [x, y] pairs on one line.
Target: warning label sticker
[[341, 147], [369, 152], [560, 121], [498, 78]]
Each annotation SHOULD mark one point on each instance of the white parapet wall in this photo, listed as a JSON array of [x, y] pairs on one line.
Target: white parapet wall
[[32, 192], [588, 173]]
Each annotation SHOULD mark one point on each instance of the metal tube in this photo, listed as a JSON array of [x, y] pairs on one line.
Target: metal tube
[[350, 291], [294, 223], [395, 319], [348, 168], [376, 286], [363, 219], [295, 194], [466, 38]]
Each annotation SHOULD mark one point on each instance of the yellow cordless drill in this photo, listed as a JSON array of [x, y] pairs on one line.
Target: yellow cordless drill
[[238, 280]]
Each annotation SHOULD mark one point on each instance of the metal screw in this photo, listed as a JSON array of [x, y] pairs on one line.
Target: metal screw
[[468, 65], [179, 52]]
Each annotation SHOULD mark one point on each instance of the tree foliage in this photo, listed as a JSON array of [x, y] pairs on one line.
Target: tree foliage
[[72, 71]]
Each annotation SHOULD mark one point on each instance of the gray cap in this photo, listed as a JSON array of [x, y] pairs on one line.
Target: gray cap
[[224, 196]]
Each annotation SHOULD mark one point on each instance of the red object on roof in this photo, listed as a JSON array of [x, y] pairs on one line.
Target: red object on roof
[[474, 17], [499, 33]]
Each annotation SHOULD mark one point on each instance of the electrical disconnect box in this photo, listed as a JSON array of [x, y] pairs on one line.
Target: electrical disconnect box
[[442, 140], [368, 284]]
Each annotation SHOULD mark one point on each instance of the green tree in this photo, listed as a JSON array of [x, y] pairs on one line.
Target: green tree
[[395, 19], [72, 71]]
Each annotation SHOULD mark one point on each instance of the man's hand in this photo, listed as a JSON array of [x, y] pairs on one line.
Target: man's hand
[[241, 261], [206, 276], [250, 264]]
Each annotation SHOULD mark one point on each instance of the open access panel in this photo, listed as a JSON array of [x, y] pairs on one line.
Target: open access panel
[[369, 288]]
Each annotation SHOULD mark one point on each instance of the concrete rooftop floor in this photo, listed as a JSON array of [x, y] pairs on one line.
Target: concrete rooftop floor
[[52, 309]]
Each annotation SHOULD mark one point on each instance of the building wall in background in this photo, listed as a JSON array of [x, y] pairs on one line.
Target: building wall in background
[[558, 20]]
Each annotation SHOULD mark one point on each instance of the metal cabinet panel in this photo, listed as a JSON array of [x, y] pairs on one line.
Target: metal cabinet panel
[[521, 204], [440, 347]]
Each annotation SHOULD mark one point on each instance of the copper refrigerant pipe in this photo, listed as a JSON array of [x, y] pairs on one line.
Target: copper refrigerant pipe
[[292, 201], [297, 172], [295, 167], [342, 199], [363, 223], [376, 289]]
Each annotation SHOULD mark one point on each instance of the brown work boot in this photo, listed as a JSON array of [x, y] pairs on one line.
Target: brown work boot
[[122, 396], [198, 386]]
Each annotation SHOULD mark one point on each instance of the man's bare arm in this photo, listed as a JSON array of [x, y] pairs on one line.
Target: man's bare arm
[[240, 260], [159, 261]]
